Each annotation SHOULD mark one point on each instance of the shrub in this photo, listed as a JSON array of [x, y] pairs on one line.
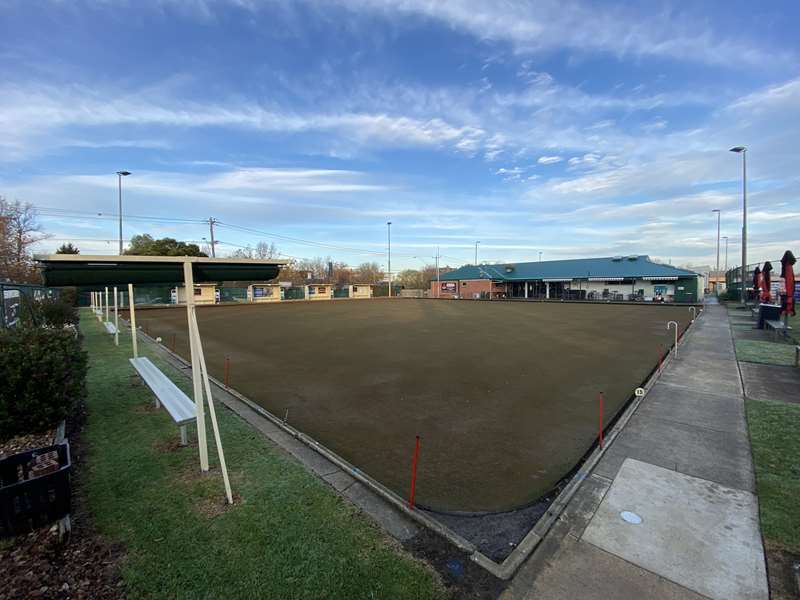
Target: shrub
[[50, 312], [42, 375]]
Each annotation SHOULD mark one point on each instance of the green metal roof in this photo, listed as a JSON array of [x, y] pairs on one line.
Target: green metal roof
[[75, 269], [629, 267]]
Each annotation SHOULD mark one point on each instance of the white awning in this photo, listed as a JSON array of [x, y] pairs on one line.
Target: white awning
[[607, 278], [661, 278]]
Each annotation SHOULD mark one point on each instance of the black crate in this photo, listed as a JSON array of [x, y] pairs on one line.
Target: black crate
[[28, 500]]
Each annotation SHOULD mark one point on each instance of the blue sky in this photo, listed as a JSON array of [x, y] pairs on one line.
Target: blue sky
[[574, 129]]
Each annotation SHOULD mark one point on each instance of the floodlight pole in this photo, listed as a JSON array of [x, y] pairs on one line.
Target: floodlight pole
[[725, 237], [476, 252], [120, 175], [743, 151]]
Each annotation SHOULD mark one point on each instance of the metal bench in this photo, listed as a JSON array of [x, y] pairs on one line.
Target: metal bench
[[179, 406], [110, 327], [777, 326]]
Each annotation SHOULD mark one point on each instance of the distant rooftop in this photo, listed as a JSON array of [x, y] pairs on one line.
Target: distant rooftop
[[635, 266]]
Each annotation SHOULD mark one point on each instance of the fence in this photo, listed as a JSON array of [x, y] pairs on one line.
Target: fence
[[15, 299]]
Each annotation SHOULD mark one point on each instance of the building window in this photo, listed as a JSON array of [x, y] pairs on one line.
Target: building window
[[198, 291]]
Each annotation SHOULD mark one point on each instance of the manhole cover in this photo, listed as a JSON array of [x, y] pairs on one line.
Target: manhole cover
[[630, 517]]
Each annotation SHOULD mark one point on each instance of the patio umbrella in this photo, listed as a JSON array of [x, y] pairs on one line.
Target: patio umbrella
[[766, 278], [787, 272], [757, 280]]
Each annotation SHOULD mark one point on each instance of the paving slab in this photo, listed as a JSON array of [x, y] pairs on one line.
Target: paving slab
[[719, 456], [581, 571], [771, 382], [681, 405], [698, 379], [696, 533]]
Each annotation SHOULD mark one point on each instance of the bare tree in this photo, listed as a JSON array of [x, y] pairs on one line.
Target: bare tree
[[263, 250], [369, 272], [19, 231]]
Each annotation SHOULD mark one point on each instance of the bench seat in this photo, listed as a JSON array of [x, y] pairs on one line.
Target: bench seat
[[110, 327], [180, 407], [777, 326]]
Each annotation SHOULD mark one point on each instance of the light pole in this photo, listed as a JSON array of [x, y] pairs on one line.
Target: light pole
[[389, 237], [476, 252], [716, 275], [540, 257], [120, 175], [743, 151], [725, 237]]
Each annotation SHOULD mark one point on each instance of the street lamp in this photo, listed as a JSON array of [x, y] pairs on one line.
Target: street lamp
[[120, 175], [389, 237], [725, 237], [716, 275], [743, 151], [476, 252]]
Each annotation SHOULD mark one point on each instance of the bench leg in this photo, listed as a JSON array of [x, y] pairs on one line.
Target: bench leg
[[184, 440], [158, 404]]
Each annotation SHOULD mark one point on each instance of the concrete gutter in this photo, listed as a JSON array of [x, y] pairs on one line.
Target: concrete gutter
[[504, 570]]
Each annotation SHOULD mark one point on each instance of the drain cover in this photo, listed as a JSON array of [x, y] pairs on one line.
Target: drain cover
[[630, 517]]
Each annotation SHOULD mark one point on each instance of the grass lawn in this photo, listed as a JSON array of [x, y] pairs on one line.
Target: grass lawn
[[776, 451], [769, 353], [288, 535]]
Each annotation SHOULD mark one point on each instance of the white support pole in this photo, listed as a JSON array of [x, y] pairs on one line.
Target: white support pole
[[676, 335], [106, 304], [116, 317], [91, 300], [201, 359], [188, 284], [132, 305]]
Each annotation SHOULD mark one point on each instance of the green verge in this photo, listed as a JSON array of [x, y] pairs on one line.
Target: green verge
[[768, 353], [288, 535], [776, 452]]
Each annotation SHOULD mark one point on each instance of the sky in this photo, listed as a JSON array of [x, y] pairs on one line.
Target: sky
[[574, 129]]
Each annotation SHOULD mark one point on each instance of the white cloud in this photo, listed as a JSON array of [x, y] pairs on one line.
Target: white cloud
[[549, 160]]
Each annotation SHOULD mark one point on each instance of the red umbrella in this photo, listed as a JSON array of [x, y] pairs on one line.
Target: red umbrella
[[766, 282], [787, 272]]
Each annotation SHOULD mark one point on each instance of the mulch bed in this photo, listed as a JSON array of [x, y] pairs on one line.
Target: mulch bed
[[39, 565], [23, 443]]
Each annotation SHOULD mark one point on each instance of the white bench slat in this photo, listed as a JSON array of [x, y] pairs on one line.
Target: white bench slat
[[179, 406], [110, 327], [777, 325]]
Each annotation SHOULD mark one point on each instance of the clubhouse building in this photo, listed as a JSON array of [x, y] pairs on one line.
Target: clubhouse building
[[616, 278]]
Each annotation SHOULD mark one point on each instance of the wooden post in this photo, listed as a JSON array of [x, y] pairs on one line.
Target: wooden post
[[197, 384], [106, 304], [132, 306], [116, 317], [211, 411]]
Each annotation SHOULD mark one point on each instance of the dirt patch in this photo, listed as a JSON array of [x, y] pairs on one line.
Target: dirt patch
[[462, 578], [145, 409], [216, 505], [86, 566], [170, 445], [503, 394], [783, 571]]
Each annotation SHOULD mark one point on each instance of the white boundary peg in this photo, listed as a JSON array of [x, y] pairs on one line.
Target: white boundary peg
[[694, 313], [676, 335]]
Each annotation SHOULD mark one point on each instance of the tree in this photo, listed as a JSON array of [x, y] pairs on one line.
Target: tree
[[68, 248], [262, 251], [368, 272], [417, 279], [19, 231], [145, 245]]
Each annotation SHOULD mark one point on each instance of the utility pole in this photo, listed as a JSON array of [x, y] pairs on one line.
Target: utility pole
[[438, 285], [211, 221], [389, 237], [716, 275]]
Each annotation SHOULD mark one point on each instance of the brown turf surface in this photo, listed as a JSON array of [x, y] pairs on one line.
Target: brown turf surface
[[503, 394]]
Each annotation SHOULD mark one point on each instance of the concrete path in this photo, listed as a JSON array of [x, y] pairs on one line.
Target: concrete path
[[683, 467]]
